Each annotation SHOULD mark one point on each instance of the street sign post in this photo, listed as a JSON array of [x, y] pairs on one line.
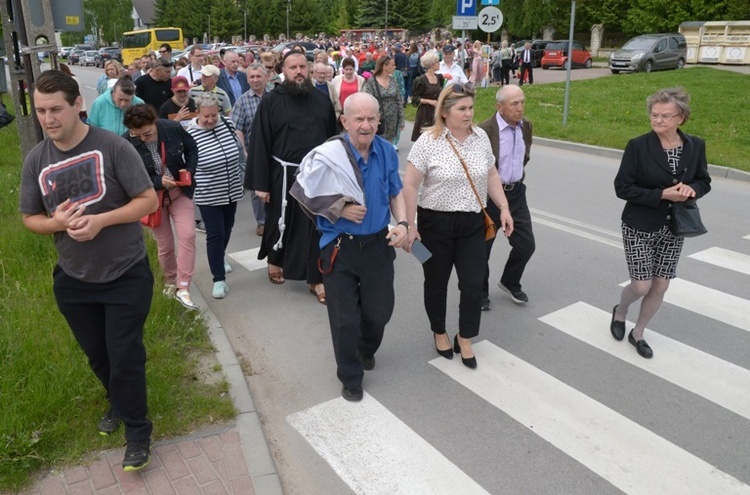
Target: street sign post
[[490, 19], [466, 23], [466, 8]]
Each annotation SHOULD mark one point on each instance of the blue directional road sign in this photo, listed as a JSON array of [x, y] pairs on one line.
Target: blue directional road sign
[[466, 8], [490, 2]]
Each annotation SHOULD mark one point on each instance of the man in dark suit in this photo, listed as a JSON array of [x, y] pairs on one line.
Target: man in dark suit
[[231, 79], [527, 61], [510, 137]]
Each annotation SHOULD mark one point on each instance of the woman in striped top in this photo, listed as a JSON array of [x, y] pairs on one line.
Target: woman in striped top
[[217, 183]]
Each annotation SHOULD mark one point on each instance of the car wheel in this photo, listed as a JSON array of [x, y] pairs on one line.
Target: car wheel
[[588, 63], [681, 63], [648, 67], [615, 71]]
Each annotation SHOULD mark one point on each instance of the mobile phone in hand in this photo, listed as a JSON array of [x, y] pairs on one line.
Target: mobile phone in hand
[[420, 251]]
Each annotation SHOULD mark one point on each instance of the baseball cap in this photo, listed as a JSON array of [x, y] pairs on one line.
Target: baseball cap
[[448, 49], [210, 70], [180, 83]]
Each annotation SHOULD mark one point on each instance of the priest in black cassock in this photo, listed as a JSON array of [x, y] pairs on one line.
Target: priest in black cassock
[[291, 120]]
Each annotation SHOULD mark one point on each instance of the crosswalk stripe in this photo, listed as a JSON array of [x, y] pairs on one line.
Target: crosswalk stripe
[[629, 456], [376, 453], [705, 301], [724, 258], [717, 380], [249, 259]]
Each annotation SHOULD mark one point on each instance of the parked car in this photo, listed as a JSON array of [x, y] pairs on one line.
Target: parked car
[[556, 55], [65, 51], [74, 57], [649, 52], [89, 57], [309, 48], [108, 53], [537, 46]]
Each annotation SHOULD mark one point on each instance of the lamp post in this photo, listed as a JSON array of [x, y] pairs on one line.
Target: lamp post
[[386, 23], [570, 62], [244, 39], [288, 9]]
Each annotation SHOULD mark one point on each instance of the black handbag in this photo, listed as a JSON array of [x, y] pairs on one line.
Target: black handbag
[[686, 219]]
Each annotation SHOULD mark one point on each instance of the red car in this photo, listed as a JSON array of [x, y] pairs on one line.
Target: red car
[[556, 55]]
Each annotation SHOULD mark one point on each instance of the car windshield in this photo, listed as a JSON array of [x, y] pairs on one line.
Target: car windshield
[[639, 44], [91, 54]]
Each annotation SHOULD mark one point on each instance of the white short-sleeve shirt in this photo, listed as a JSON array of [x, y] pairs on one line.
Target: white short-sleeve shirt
[[445, 186]]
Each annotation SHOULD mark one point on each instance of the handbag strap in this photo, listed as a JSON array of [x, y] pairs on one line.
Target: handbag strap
[[468, 175]]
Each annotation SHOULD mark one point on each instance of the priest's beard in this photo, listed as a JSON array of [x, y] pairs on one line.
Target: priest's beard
[[298, 89]]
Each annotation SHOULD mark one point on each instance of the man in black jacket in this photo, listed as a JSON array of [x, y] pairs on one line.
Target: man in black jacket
[[526, 60]]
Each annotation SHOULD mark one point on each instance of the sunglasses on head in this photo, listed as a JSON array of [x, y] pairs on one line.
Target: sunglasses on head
[[466, 89]]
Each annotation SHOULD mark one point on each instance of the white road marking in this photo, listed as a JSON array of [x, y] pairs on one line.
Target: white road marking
[[724, 258], [249, 259], [717, 380], [629, 456], [564, 224], [376, 453], [705, 301]]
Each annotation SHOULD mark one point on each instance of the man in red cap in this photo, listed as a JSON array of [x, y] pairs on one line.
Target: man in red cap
[[181, 106]]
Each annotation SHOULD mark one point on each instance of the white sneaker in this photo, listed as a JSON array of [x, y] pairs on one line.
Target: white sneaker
[[169, 290], [183, 296], [220, 290], [227, 267]]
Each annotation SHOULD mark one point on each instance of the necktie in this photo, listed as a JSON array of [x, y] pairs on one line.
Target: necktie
[[526, 56]]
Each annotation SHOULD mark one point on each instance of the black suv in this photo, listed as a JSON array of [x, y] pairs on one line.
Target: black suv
[[537, 46], [108, 53]]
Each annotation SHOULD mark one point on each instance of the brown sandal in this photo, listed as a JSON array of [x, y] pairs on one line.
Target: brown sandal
[[276, 277], [320, 295]]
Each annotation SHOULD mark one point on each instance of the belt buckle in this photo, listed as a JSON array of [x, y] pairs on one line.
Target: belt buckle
[[509, 187]]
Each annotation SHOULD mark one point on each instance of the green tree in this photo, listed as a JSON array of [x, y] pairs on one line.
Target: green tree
[[226, 20], [371, 14]]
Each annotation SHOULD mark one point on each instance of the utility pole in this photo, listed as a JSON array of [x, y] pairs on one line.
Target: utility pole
[[244, 39], [288, 9]]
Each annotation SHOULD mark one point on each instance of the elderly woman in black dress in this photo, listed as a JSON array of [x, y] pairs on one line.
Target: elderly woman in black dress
[[425, 92], [658, 169]]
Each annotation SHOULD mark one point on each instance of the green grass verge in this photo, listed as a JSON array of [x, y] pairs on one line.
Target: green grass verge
[[611, 110], [49, 398]]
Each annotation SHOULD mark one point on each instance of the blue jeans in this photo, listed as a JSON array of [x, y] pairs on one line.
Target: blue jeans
[[218, 221]]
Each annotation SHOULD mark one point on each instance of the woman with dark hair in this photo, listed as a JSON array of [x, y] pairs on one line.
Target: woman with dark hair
[[448, 210], [349, 82], [658, 170], [168, 151], [388, 93], [218, 185]]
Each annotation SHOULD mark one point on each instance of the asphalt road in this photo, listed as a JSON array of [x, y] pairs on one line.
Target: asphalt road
[[556, 406]]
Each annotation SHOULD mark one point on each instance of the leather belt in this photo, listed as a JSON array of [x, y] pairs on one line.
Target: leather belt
[[511, 185]]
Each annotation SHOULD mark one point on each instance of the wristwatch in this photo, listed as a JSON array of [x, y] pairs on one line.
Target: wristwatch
[[405, 224]]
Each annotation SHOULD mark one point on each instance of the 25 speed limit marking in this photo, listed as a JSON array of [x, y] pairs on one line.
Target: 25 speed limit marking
[[490, 19]]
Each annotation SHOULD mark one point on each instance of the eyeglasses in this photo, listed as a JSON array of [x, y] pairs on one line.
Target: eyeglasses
[[466, 89], [162, 51], [143, 135], [663, 116]]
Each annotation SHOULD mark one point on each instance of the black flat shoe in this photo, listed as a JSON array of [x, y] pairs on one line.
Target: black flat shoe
[[446, 353], [617, 328], [352, 394], [641, 346], [468, 362], [367, 362]]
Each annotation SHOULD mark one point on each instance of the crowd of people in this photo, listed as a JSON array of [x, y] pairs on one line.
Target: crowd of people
[[316, 146]]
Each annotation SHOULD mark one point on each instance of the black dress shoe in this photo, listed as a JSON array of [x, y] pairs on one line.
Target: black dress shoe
[[368, 362], [486, 305], [468, 362], [641, 346], [352, 394], [446, 353], [617, 328]]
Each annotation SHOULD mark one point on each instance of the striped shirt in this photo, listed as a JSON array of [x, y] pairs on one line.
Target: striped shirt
[[217, 176]]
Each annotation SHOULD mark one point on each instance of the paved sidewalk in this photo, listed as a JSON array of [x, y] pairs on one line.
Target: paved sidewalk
[[234, 459]]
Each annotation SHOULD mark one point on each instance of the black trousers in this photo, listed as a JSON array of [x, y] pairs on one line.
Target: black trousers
[[526, 68], [505, 71], [455, 239], [359, 298], [107, 321], [521, 240]]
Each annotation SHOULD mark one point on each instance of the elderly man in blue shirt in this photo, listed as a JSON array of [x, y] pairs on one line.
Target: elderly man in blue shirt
[[352, 186]]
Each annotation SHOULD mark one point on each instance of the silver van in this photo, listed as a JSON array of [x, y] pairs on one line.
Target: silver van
[[650, 52]]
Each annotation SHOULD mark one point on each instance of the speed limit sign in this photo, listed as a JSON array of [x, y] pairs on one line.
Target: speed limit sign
[[490, 19]]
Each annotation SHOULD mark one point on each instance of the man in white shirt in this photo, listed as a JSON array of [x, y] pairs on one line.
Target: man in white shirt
[[192, 72], [447, 66]]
